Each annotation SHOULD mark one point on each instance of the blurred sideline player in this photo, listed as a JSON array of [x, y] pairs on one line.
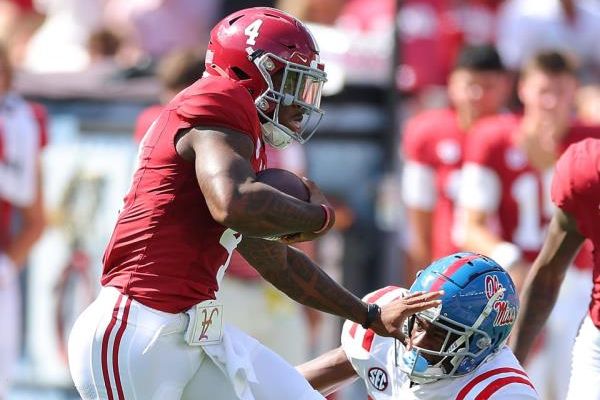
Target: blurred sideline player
[[433, 149], [454, 351], [587, 101], [505, 199], [176, 71], [576, 193], [268, 315], [155, 330], [22, 136]]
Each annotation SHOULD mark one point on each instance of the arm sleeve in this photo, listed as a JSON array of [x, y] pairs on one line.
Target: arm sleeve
[[576, 178], [480, 186], [18, 177], [418, 176], [418, 186], [562, 190]]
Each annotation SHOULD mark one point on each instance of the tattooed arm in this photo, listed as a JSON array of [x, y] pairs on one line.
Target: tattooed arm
[[292, 272], [544, 280], [235, 199]]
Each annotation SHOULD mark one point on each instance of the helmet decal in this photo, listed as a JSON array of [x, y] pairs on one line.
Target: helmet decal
[[505, 313], [450, 270], [492, 285], [252, 31]]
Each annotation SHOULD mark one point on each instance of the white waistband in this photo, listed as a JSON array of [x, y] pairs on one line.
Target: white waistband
[[140, 314]]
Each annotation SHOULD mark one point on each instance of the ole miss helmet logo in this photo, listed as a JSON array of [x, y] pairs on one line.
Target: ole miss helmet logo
[[378, 378], [505, 313], [492, 285]]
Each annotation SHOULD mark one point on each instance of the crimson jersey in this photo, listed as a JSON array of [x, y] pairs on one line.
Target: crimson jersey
[[576, 189], [166, 250], [433, 151], [23, 134], [145, 120], [515, 192], [374, 358]]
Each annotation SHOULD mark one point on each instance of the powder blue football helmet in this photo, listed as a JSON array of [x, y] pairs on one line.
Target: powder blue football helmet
[[478, 310]]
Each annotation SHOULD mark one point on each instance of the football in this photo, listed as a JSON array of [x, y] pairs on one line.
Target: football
[[285, 181]]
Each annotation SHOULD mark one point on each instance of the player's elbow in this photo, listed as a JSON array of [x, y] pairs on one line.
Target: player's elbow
[[230, 213]]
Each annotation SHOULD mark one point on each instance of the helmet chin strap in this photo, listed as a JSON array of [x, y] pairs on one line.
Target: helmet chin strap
[[220, 71]]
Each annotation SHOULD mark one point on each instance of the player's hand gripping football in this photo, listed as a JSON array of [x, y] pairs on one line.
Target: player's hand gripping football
[[393, 314], [318, 198]]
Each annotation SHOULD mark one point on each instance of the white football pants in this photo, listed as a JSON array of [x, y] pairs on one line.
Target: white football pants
[[121, 349], [585, 371]]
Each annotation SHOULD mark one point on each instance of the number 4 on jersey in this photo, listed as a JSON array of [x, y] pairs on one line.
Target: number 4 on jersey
[[252, 31]]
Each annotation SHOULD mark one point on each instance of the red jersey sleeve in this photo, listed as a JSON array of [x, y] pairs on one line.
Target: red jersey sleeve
[[576, 182], [416, 144], [41, 117], [214, 101]]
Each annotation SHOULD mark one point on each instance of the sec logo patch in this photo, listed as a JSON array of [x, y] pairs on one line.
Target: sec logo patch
[[378, 378]]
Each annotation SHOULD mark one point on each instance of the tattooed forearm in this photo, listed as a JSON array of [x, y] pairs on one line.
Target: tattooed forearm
[[227, 181], [292, 272], [270, 212]]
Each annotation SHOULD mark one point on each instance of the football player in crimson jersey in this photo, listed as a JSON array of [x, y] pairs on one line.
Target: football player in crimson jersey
[[576, 193], [454, 351], [433, 146], [155, 330], [505, 201], [23, 134]]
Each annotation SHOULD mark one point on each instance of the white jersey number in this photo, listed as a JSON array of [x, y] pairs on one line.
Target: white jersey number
[[252, 31], [229, 240], [529, 233]]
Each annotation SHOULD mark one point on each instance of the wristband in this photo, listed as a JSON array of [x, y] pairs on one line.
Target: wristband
[[373, 312], [506, 254], [327, 219]]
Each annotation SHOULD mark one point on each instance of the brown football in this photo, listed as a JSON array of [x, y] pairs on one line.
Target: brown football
[[285, 181]]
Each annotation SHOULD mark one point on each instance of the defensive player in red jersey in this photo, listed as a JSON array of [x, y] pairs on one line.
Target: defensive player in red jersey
[[155, 330], [22, 136], [506, 204], [433, 148], [576, 193]]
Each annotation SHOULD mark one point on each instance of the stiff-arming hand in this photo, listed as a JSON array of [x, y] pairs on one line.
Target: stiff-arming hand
[[393, 314]]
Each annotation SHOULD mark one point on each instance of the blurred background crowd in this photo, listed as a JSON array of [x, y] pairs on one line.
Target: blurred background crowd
[[409, 82]]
